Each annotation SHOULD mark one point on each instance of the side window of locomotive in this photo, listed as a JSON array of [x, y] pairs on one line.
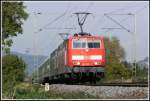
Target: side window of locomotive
[[76, 44]]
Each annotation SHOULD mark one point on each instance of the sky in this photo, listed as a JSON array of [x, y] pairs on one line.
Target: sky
[[43, 42]]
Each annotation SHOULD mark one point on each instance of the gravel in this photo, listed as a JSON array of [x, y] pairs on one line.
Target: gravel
[[104, 92]]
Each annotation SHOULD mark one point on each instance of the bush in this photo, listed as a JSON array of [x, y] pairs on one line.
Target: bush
[[12, 73]]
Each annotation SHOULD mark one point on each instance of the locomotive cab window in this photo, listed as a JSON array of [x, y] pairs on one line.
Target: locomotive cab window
[[83, 44], [86, 43], [79, 44], [76, 44], [93, 44]]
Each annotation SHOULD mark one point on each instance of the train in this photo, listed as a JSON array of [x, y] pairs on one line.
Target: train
[[79, 58]]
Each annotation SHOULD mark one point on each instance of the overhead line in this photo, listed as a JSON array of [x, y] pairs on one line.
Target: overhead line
[[89, 6], [140, 9], [120, 21], [51, 22], [66, 11], [124, 19], [68, 20], [123, 9], [57, 18]]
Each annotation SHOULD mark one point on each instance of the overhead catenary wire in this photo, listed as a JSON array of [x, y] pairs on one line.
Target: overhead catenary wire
[[117, 23], [53, 35], [51, 22], [99, 21], [113, 27], [64, 21], [68, 18], [89, 6], [61, 34], [139, 10], [136, 12], [66, 11], [57, 18], [113, 12], [124, 8]]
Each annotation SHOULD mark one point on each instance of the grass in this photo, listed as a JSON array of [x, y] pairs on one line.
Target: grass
[[28, 91]]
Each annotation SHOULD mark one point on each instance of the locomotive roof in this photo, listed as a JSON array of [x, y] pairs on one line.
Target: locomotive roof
[[85, 36]]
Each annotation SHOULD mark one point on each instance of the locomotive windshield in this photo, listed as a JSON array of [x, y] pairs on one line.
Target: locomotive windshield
[[79, 44], [86, 43], [93, 44]]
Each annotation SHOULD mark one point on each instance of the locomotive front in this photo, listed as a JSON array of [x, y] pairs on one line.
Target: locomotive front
[[87, 51], [86, 54]]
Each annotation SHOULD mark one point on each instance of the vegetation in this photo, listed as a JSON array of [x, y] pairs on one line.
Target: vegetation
[[13, 15], [141, 74], [117, 67], [141, 71], [28, 91], [12, 73], [13, 67], [114, 54]]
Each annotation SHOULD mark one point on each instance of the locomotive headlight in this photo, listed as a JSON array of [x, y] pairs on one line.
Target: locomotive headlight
[[76, 63], [95, 63], [99, 63]]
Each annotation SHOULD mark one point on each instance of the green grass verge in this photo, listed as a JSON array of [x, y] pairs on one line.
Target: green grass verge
[[37, 92]]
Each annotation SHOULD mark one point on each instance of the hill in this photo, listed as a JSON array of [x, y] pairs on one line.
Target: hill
[[143, 63]]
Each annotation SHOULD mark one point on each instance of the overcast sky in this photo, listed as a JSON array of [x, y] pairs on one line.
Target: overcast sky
[[45, 41]]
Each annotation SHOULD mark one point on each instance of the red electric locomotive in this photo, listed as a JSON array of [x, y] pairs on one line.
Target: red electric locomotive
[[85, 51], [85, 56], [81, 57], [78, 58]]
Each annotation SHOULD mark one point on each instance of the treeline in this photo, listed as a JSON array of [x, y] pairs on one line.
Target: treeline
[[13, 67], [13, 72], [117, 68]]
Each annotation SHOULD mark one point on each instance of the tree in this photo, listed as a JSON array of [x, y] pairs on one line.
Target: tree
[[114, 54], [141, 73], [13, 69], [13, 15]]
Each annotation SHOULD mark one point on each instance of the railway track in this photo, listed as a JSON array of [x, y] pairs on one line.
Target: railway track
[[121, 84], [116, 84], [109, 90]]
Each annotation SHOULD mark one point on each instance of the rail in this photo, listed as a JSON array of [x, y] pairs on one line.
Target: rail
[[145, 84]]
